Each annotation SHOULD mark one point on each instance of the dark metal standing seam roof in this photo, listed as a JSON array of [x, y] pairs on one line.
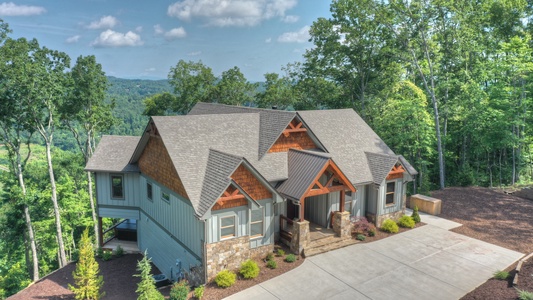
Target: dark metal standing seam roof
[[271, 122], [304, 167], [113, 154], [380, 165]]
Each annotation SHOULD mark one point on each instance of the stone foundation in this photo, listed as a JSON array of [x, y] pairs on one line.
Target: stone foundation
[[229, 254], [341, 224], [300, 236], [395, 216]]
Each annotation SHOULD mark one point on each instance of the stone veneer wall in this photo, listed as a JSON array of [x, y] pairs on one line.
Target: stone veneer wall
[[341, 224], [229, 254], [300, 236], [395, 216]]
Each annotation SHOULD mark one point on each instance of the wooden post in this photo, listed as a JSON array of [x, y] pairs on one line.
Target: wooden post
[[343, 199], [302, 206], [101, 235]]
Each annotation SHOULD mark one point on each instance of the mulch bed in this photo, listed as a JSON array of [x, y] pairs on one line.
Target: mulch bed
[[498, 218], [119, 282]]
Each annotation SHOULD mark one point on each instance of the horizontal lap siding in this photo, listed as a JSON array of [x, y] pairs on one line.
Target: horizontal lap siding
[[176, 216], [131, 189], [163, 249]]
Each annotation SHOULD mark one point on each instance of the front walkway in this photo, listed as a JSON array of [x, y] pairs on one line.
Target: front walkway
[[428, 262]]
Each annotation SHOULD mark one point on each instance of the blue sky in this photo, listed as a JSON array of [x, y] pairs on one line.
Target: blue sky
[[143, 39]]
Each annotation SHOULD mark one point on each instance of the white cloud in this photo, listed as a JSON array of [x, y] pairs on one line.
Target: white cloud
[[290, 19], [10, 9], [268, 40], [73, 39], [110, 38], [158, 29], [230, 13], [152, 69], [139, 28], [195, 53], [105, 22], [175, 33], [300, 36]]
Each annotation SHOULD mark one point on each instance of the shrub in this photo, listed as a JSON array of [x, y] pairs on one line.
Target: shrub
[[360, 225], [415, 215], [361, 237], [180, 290], [372, 232], [199, 292], [290, 258], [280, 252], [501, 275], [406, 221], [108, 254], [119, 251], [146, 289], [100, 252], [225, 279], [87, 281], [524, 295], [271, 264], [269, 257], [389, 226], [249, 269]]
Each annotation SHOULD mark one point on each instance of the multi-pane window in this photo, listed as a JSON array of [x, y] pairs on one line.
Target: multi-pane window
[[149, 192], [227, 227], [117, 186], [165, 196], [256, 222], [389, 195]]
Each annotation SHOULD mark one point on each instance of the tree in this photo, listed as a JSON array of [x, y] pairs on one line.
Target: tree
[[193, 82], [233, 88], [15, 128], [279, 92], [88, 282], [86, 114], [42, 81], [146, 289], [159, 104]]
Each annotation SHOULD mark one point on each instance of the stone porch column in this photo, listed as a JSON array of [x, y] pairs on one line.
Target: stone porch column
[[341, 224], [300, 236]]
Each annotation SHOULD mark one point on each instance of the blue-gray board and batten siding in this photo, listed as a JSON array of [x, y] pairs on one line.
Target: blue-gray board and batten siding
[[376, 198]]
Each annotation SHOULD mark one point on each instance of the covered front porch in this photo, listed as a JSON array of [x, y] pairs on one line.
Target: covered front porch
[[316, 196]]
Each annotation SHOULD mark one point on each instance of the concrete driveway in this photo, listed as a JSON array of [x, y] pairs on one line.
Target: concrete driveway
[[428, 262]]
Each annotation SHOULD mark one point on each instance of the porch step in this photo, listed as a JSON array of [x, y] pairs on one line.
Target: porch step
[[327, 244]]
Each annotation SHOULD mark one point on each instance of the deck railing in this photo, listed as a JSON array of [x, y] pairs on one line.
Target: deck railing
[[284, 226], [107, 237]]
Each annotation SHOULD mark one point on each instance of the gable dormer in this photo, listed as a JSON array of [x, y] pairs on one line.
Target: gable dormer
[[296, 136]]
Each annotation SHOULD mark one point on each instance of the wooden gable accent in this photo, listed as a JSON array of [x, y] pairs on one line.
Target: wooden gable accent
[[294, 136], [250, 184], [336, 182], [232, 197], [396, 172], [156, 163]]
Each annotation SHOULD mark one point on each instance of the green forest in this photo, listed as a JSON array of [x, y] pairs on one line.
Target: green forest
[[447, 84]]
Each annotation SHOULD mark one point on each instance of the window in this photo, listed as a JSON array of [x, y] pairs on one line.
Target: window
[[117, 187], [256, 223], [165, 196], [149, 193], [227, 227], [389, 195]]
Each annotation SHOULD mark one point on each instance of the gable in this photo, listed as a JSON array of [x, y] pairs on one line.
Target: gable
[[294, 136], [231, 197], [156, 163], [250, 184], [396, 172]]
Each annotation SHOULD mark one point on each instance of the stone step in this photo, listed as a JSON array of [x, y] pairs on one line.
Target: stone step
[[321, 246]]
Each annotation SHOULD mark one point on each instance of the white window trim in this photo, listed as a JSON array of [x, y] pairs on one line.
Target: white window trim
[[122, 183], [227, 237], [393, 193], [257, 236]]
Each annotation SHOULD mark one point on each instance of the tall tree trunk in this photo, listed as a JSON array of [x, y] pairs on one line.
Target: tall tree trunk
[[93, 207], [27, 219], [59, 233]]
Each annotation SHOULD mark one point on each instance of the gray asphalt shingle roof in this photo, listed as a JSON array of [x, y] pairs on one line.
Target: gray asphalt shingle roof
[[304, 166], [380, 165], [113, 154], [346, 136], [271, 122]]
